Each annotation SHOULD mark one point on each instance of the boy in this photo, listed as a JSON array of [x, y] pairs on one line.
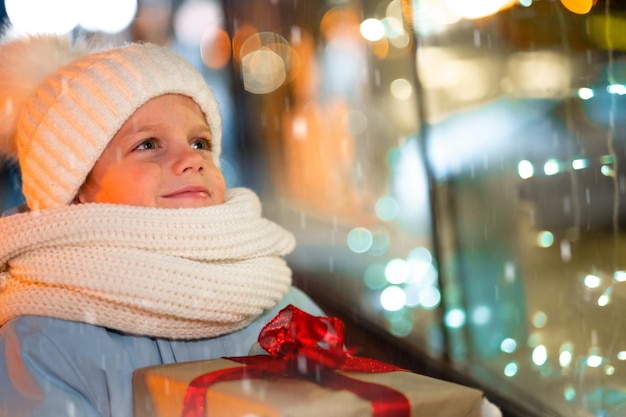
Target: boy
[[133, 252]]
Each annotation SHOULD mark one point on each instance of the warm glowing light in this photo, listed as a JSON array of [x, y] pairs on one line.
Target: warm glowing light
[[438, 12], [372, 29], [400, 41], [393, 27], [434, 69], [473, 81], [394, 11], [401, 89], [241, 37], [578, 6], [215, 49], [539, 74], [476, 9], [263, 71], [340, 22]]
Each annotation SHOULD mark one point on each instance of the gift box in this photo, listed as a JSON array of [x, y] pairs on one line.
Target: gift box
[[307, 373]]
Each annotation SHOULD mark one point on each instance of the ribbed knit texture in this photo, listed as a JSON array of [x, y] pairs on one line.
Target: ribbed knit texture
[[174, 273], [66, 125]]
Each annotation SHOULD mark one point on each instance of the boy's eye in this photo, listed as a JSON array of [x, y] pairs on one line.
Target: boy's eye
[[203, 144], [147, 145]]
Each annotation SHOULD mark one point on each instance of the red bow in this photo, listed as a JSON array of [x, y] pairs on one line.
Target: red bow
[[304, 346], [296, 336]]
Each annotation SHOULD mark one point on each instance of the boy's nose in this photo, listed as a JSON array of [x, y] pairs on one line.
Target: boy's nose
[[188, 160]]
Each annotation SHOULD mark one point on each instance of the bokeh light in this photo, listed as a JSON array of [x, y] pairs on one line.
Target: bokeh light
[[540, 355], [551, 167], [455, 318], [476, 9], [579, 6], [196, 19], [392, 298], [397, 271], [545, 239], [539, 319], [265, 61], [372, 29], [109, 16], [525, 169], [374, 276], [592, 281], [401, 89], [387, 208], [510, 369], [508, 345], [62, 16], [359, 240], [52, 17], [566, 354]]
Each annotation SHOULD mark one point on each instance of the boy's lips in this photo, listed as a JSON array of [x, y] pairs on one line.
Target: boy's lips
[[189, 192]]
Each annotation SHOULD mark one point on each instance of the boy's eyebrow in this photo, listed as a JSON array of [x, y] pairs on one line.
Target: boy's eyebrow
[[152, 127]]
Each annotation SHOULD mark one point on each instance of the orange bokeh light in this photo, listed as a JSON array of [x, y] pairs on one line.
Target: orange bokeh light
[[579, 6], [215, 49], [240, 36]]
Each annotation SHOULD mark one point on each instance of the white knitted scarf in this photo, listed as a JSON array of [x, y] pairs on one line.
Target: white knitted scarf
[[174, 273]]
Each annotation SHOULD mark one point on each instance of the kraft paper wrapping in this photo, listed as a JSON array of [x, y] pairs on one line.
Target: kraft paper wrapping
[[159, 391]]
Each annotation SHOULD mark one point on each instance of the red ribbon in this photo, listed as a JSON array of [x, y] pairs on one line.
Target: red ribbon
[[302, 346]]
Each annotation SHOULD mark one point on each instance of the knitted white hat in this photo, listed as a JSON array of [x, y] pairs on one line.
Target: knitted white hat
[[61, 103]]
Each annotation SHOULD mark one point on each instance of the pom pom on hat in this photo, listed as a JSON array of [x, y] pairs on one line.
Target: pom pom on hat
[[66, 101], [26, 62]]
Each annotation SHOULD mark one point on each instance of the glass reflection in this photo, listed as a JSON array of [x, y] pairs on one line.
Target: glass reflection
[[528, 175]]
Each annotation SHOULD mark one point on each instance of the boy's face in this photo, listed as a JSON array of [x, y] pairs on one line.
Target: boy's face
[[161, 157]]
